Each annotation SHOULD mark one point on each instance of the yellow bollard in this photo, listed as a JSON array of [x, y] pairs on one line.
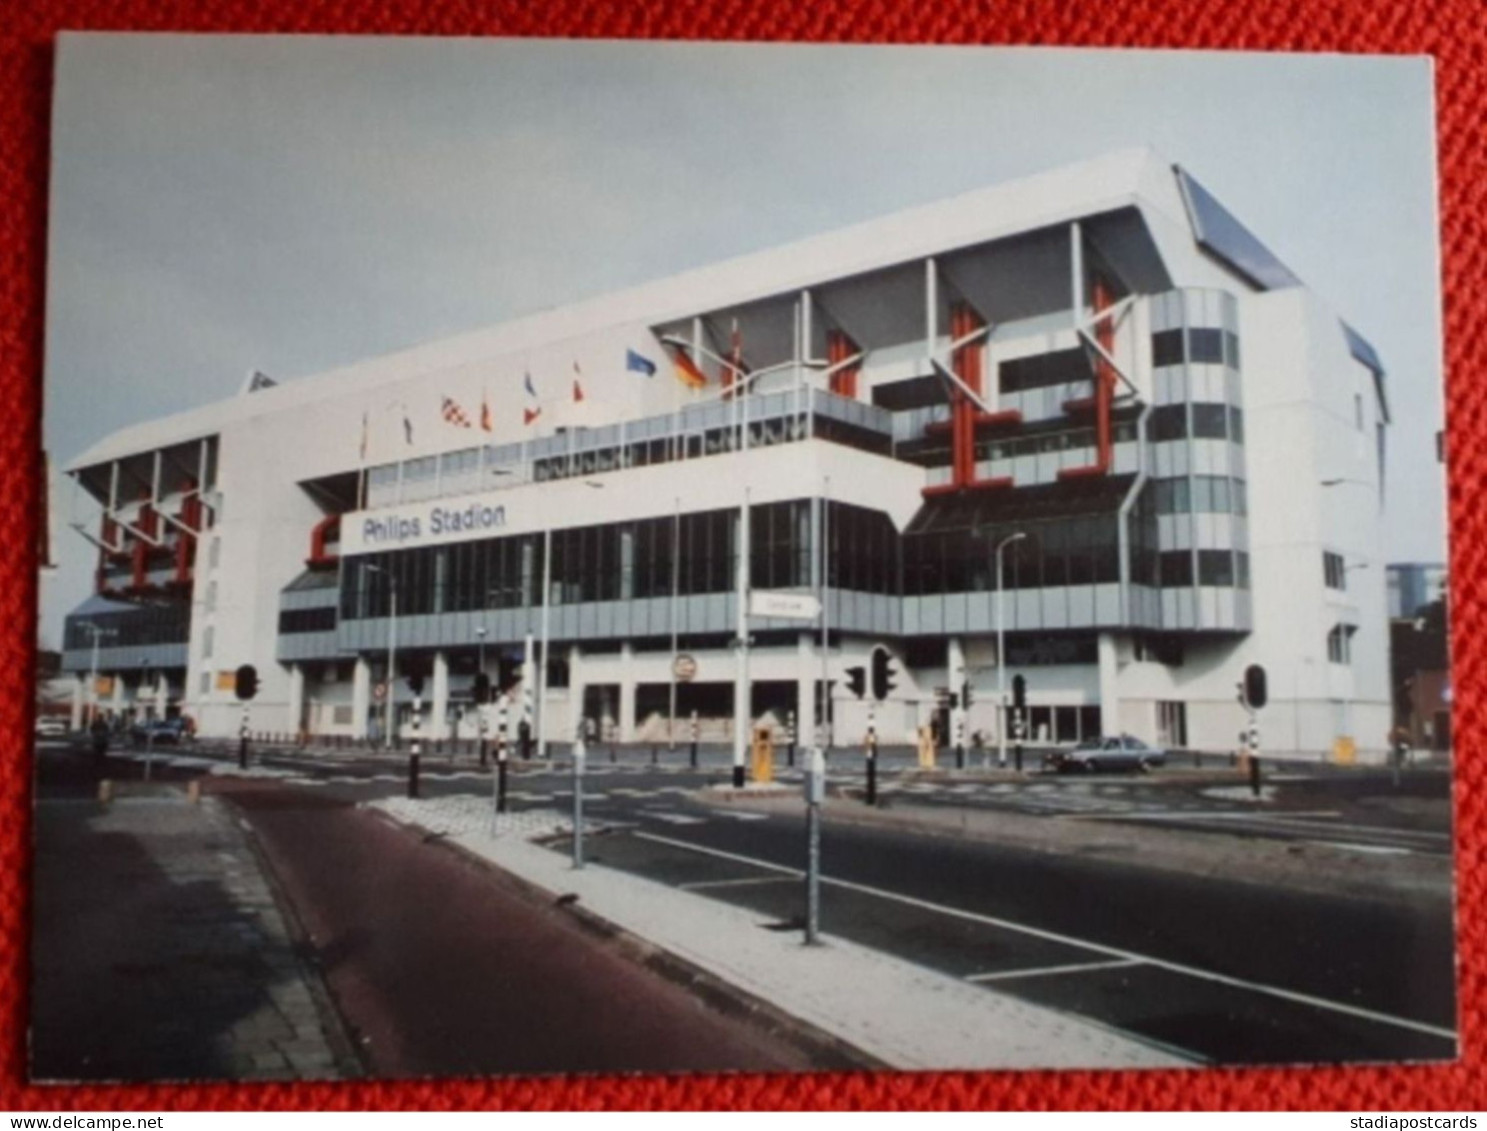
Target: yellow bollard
[[193, 792], [763, 755], [1344, 750], [105, 791], [926, 748]]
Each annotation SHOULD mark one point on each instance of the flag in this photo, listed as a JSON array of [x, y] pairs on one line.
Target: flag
[[454, 414], [486, 423], [365, 426], [686, 370], [531, 412], [531, 388], [407, 428], [577, 388], [528, 415], [635, 363]]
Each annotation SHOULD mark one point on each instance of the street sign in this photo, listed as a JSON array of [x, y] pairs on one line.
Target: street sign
[[684, 667], [787, 606], [379, 692]]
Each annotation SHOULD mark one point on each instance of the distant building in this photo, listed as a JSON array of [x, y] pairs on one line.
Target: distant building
[[1089, 408], [1420, 661]]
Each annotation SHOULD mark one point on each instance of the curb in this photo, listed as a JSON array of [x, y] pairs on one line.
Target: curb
[[827, 1052]]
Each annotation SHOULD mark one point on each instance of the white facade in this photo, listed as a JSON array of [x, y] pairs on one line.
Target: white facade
[[1023, 259]]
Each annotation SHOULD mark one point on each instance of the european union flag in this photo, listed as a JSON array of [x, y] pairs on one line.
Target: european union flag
[[637, 364]]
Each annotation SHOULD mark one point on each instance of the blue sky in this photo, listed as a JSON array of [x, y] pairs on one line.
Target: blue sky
[[290, 204]]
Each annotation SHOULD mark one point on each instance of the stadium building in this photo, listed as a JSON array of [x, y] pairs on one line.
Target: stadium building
[[1088, 413]]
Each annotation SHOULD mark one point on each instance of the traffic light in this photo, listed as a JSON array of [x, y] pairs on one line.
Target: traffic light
[[857, 681], [1254, 686], [509, 671], [415, 671], [482, 688], [1019, 692], [246, 684], [882, 673]]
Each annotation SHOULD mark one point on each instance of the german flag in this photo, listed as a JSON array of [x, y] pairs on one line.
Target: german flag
[[686, 369]]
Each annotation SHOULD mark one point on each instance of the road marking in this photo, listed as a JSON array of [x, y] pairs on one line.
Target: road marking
[[1376, 849], [1069, 940], [697, 884], [1041, 971], [739, 815], [672, 818]]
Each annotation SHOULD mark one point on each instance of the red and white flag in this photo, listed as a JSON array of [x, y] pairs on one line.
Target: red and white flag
[[455, 415], [577, 388]]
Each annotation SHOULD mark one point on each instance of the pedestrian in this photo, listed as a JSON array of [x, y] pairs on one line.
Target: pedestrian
[[99, 732], [524, 736]]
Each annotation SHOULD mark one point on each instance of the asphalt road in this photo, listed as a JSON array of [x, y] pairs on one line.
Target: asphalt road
[[1226, 971]]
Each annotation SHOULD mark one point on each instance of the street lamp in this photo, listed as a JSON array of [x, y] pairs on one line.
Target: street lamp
[[1001, 653], [93, 677], [392, 650], [546, 635]]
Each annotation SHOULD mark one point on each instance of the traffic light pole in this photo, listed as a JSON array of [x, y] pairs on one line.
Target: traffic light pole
[[872, 756], [243, 740], [415, 751]]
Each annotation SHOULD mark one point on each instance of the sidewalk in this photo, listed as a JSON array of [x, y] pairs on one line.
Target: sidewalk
[[913, 1018], [159, 953]]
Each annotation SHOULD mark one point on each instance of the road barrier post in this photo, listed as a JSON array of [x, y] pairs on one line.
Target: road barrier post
[[872, 757], [790, 738], [693, 755], [243, 740], [415, 750], [501, 759]]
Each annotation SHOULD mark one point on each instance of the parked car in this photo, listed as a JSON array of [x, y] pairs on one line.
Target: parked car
[[1093, 755], [51, 728], [159, 732]]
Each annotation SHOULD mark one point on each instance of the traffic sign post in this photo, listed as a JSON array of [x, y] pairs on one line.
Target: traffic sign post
[[693, 755], [501, 758], [815, 792], [872, 757], [245, 686], [579, 754]]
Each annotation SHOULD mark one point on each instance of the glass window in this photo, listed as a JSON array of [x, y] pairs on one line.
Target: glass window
[[1231, 349], [1169, 422], [1210, 421], [1215, 567], [1236, 424], [1206, 346], [1166, 348], [1177, 567]]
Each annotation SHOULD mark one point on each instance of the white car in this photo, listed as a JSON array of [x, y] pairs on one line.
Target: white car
[[51, 728]]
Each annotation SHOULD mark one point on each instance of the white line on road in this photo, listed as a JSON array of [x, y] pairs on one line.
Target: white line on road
[[747, 880], [739, 815], [1069, 940], [1041, 971], [672, 818]]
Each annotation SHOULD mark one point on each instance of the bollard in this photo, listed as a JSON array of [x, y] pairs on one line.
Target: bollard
[[105, 791], [193, 793], [653, 754], [415, 749], [872, 759], [501, 775], [413, 760], [1017, 757], [960, 756]]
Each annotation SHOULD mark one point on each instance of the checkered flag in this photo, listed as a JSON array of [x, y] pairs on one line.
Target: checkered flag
[[456, 415]]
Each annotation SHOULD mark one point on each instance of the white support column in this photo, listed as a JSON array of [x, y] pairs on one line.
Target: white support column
[[118, 695], [627, 692], [805, 690], [296, 700], [77, 702], [162, 694], [439, 724], [361, 696], [1109, 685], [955, 663]]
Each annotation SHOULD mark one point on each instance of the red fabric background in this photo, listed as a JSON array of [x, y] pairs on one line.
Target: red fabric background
[[1453, 31]]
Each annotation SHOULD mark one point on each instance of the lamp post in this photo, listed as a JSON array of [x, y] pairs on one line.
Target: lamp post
[[93, 676], [392, 652], [1001, 654], [741, 386], [148, 719], [676, 546], [546, 635]]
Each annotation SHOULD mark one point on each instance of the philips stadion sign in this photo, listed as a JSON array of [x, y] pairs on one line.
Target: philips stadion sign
[[432, 523]]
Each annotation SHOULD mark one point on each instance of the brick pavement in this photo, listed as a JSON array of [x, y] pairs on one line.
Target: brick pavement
[[159, 951]]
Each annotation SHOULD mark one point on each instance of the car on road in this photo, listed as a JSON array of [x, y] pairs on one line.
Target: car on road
[[51, 728], [160, 732], [1122, 752]]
